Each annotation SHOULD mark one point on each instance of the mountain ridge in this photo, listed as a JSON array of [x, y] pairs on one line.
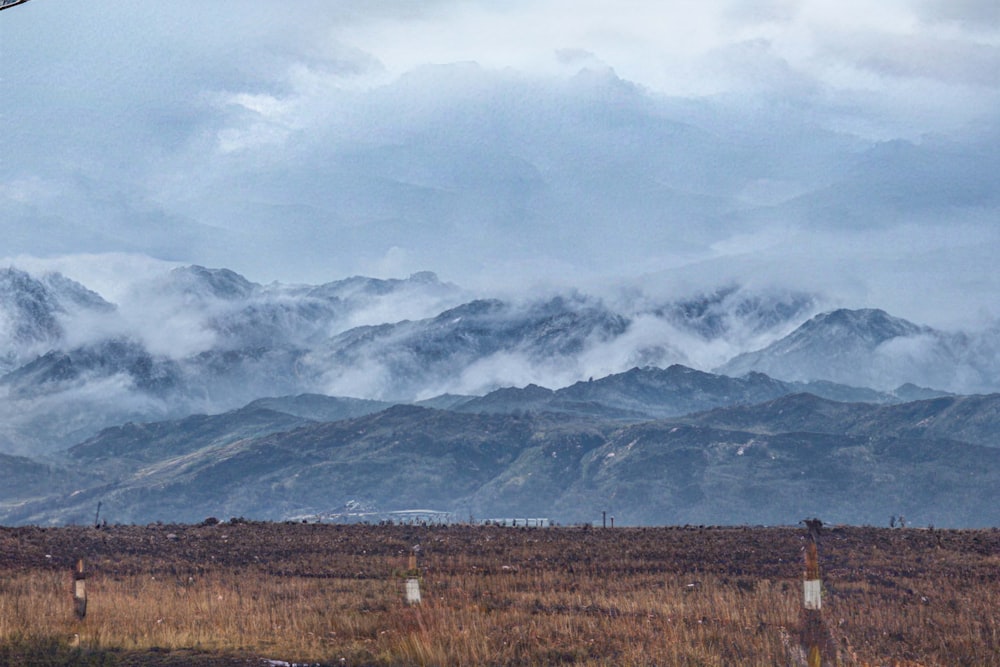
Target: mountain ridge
[[261, 461], [563, 466]]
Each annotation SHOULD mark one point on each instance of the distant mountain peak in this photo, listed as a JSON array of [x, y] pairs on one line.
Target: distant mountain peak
[[220, 283], [866, 347], [871, 324], [31, 307]]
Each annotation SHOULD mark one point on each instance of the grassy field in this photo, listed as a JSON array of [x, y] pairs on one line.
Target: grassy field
[[239, 593]]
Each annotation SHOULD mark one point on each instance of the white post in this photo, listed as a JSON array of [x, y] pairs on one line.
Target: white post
[[79, 590], [811, 584], [412, 591], [813, 630], [413, 582]]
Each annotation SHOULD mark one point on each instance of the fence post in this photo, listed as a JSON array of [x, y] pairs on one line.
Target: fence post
[[80, 590], [413, 581], [814, 634], [812, 587], [812, 603]]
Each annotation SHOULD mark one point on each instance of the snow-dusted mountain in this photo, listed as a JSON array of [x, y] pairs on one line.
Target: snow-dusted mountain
[[35, 313], [207, 340], [192, 340], [871, 348], [199, 340]]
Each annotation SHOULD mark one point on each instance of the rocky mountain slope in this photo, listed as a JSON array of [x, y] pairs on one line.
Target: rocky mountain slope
[[565, 467], [972, 419], [539, 454]]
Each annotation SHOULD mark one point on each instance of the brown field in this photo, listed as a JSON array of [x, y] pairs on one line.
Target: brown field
[[239, 593]]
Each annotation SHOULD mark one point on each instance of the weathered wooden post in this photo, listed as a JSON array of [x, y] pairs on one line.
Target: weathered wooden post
[[413, 581], [80, 590], [814, 634], [812, 604], [812, 586]]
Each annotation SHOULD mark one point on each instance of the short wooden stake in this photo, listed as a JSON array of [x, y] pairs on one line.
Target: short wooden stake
[[815, 638], [812, 587], [80, 590], [413, 581]]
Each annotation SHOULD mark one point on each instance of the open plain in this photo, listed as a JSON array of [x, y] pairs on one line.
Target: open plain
[[249, 593]]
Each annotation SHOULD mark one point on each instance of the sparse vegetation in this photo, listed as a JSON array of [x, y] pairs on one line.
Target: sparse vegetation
[[234, 593]]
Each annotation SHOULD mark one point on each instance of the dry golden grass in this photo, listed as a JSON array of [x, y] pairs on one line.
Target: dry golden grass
[[522, 597]]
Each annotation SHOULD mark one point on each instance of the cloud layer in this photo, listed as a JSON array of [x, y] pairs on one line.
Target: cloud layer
[[506, 145]]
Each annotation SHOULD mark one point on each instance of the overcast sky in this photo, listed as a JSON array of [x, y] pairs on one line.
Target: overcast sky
[[847, 146]]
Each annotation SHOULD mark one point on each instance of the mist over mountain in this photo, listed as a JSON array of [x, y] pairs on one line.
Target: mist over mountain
[[200, 340], [869, 347], [34, 312], [204, 340], [201, 392]]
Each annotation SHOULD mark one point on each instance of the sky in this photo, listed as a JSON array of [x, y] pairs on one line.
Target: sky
[[846, 147]]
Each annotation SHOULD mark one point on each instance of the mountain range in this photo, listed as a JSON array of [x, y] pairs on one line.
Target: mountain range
[[772, 462], [201, 392], [199, 340]]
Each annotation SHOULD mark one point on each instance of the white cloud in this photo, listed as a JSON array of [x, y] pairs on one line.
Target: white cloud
[[312, 140], [112, 275]]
